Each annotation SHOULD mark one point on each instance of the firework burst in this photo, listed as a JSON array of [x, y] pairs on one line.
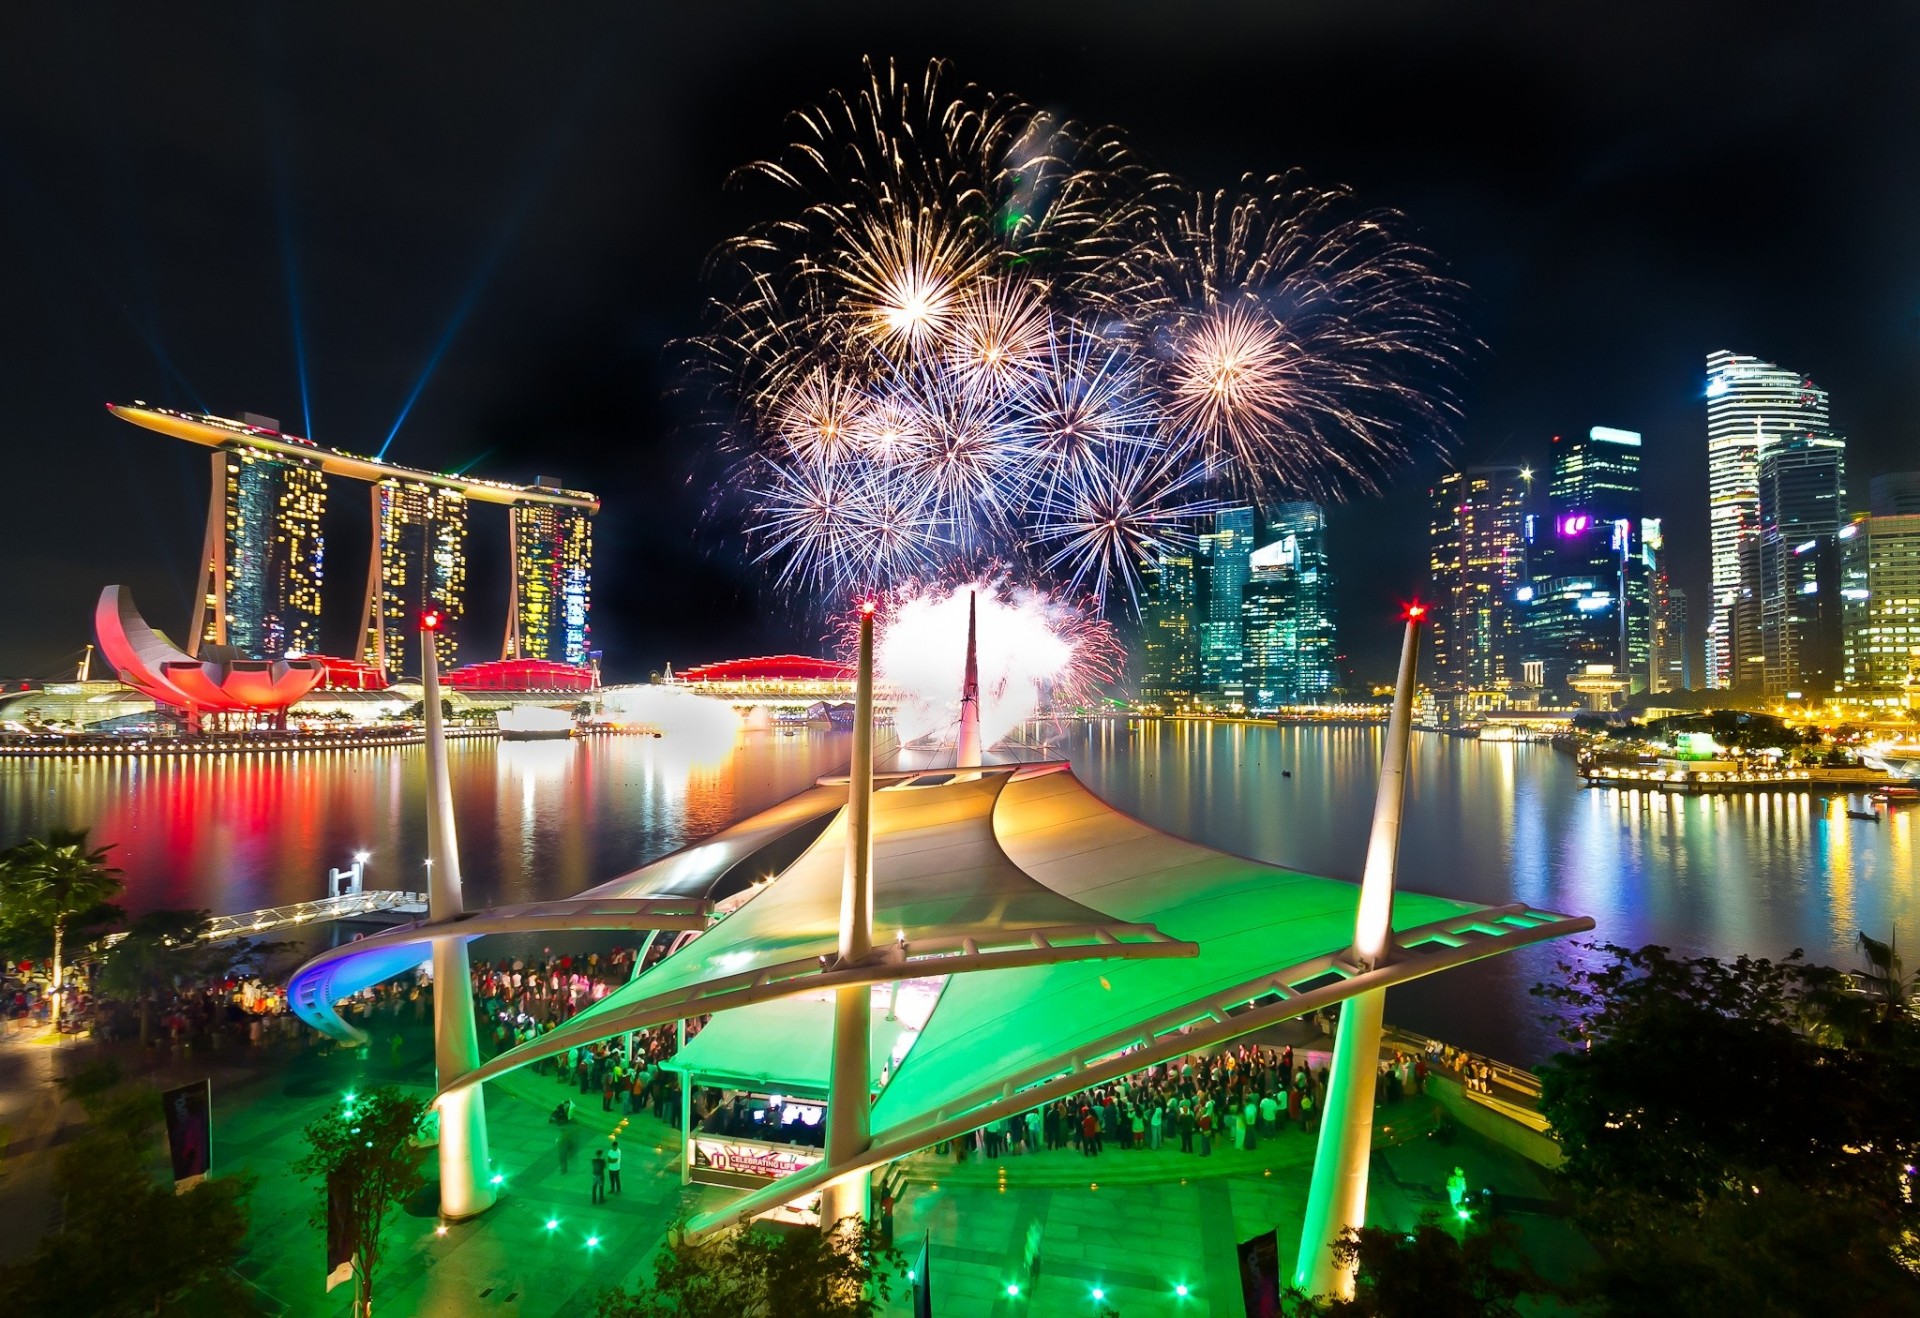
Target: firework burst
[[983, 334]]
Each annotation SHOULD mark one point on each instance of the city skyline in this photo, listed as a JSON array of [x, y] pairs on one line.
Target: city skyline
[[516, 299]]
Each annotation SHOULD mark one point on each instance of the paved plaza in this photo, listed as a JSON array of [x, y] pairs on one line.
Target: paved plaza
[[1133, 1224]]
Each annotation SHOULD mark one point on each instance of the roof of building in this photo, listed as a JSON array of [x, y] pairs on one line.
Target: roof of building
[[222, 432], [770, 668]]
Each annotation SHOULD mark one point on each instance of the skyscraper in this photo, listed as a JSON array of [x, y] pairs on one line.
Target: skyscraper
[[1668, 665], [1803, 504], [1287, 612], [552, 567], [1880, 594], [1589, 601], [1223, 568], [1750, 405], [420, 538], [1170, 640], [1478, 561], [264, 555]]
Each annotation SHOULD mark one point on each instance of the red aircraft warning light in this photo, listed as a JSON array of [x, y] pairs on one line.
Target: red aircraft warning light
[[869, 606], [1415, 612], [430, 620]]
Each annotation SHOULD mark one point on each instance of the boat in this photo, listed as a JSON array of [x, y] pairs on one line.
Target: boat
[[534, 723], [1867, 815]]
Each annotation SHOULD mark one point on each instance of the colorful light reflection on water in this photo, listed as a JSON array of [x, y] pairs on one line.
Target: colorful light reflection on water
[[1492, 822]]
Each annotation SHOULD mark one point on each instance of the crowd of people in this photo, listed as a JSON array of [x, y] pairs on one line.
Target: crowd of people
[[1243, 1094]]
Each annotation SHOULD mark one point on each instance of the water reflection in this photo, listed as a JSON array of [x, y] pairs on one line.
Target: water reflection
[[1492, 823], [1497, 822]]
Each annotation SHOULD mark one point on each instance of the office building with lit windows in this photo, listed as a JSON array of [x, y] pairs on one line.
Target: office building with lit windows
[[1170, 642], [264, 555], [1751, 405], [1286, 612], [1880, 602], [1803, 504], [1589, 600], [1223, 564], [1477, 559]]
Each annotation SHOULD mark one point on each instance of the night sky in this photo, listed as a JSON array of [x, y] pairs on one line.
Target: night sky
[[190, 193]]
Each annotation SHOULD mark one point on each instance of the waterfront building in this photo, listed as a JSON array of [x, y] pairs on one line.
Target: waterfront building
[[1880, 606], [260, 574], [1286, 608], [1589, 601], [1223, 565], [1170, 653], [550, 583], [1477, 560], [1751, 404], [265, 558], [1803, 504], [420, 535]]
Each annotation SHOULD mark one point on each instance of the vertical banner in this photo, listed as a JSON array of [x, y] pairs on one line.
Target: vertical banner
[[189, 1114], [1260, 1275], [342, 1239], [923, 1280]]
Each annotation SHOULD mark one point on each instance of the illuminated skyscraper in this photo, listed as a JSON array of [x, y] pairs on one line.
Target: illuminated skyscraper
[[419, 560], [551, 580], [1286, 611], [1169, 637], [1803, 504], [1477, 555], [1223, 566], [1751, 404], [263, 557], [1880, 594], [1588, 602]]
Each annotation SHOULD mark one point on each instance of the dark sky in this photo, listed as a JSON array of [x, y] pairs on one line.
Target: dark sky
[[185, 190]]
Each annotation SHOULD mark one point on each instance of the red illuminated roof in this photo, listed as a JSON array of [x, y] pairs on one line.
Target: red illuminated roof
[[520, 675], [771, 668], [340, 674]]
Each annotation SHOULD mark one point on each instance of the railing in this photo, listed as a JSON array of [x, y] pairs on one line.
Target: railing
[[274, 918]]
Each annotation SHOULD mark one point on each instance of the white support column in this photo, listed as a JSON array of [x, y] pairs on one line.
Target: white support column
[[1337, 1198], [849, 1119], [966, 747], [466, 1167]]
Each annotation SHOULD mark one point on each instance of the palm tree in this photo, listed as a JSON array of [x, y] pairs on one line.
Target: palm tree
[[49, 881], [1882, 977]]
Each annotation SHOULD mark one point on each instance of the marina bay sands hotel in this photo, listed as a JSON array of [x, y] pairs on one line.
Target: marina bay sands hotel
[[261, 564]]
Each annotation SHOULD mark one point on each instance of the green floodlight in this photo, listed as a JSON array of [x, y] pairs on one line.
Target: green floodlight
[[593, 1242], [1013, 1290], [496, 1179], [1099, 1294], [553, 1224], [1181, 1290]]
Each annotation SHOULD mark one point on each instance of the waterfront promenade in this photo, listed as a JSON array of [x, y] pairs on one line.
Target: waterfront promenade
[[1133, 1224]]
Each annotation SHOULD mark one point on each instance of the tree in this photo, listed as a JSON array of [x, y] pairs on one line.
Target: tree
[[365, 1148], [1427, 1273], [1724, 1121], [765, 1271], [127, 1243], [1884, 977], [56, 883]]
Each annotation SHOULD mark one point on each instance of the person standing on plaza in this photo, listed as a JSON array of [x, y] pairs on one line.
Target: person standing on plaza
[[599, 1177], [565, 1149], [613, 1164], [1185, 1123], [1155, 1125]]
